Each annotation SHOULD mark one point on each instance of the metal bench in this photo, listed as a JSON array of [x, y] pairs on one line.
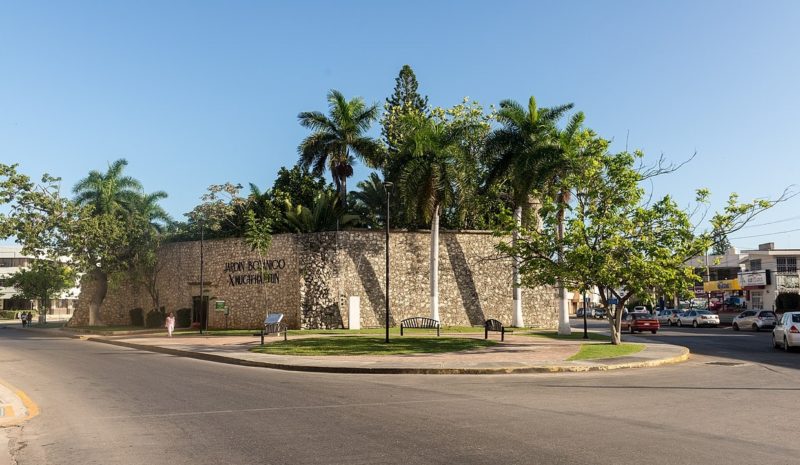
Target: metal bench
[[494, 325], [273, 324], [419, 322]]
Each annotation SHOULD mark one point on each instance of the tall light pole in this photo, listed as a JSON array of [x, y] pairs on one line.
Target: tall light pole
[[203, 317], [387, 186]]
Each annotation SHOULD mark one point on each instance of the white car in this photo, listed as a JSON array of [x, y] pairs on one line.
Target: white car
[[640, 309], [787, 333], [698, 318], [755, 320]]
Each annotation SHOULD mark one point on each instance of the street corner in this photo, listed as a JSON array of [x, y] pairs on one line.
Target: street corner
[[15, 406]]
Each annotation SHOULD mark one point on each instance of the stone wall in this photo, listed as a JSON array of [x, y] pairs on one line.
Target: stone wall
[[310, 278]]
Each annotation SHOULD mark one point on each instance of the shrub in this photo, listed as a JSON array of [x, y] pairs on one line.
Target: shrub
[[137, 317], [183, 318], [155, 319]]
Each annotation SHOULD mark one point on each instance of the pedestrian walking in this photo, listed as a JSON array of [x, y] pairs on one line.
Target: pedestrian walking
[[170, 323], [29, 318], [24, 318]]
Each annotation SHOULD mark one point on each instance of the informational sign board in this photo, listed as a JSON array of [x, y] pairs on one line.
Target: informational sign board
[[613, 301], [725, 285], [753, 278], [220, 306], [273, 318]]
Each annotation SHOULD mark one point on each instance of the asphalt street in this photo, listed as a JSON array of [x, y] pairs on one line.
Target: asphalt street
[[734, 402]]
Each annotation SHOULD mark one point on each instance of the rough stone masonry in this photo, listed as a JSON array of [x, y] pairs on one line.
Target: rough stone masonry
[[310, 277]]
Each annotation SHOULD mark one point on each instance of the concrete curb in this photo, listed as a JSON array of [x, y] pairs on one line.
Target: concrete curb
[[578, 368]]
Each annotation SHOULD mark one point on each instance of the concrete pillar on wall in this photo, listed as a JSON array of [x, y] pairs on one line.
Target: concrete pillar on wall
[[354, 313]]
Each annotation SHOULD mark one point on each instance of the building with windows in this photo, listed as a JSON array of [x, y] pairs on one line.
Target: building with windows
[[13, 260], [771, 278]]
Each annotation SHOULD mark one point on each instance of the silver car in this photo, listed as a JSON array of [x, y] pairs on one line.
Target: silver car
[[755, 320], [787, 332], [698, 318], [668, 315]]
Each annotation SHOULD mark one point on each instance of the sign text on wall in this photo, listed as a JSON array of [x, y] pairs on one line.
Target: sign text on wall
[[254, 271]]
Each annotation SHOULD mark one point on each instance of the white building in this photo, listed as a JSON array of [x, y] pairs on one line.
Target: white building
[[770, 272], [11, 261]]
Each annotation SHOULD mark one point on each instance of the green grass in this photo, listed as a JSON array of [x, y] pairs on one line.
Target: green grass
[[54, 324], [306, 332], [113, 328], [576, 335], [595, 351], [366, 345]]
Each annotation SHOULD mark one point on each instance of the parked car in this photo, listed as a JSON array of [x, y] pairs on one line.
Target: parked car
[[755, 320], [600, 313], [640, 309], [698, 318], [672, 319], [638, 321], [665, 316], [787, 331]]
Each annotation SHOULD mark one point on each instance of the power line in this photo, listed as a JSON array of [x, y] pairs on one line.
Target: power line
[[767, 234], [772, 222]]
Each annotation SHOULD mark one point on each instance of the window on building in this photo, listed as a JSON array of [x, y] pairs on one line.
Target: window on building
[[757, 300], [755, 265], [787, 264]]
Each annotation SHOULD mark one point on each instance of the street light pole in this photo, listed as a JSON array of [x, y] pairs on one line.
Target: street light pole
[[387, 185], [200, 304], [585, 328]]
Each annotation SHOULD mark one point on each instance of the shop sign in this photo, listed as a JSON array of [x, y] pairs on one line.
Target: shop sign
[[722, 286], [788, 282], [753, 278]]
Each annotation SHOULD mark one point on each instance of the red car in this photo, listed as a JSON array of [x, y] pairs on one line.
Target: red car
[[640, 322]]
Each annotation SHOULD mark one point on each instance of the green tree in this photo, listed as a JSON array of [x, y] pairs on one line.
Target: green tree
[[43, 281], [721, 243], [338, 139], [110, 192], [615, 240], [404, 100], [525, 153], [431, 181], [325, 214], [370, 201]]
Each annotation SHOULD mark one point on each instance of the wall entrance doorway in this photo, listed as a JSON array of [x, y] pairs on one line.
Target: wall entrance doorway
[[200, 311]]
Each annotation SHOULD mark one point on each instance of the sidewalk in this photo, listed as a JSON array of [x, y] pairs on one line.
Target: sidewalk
[[519, 354]]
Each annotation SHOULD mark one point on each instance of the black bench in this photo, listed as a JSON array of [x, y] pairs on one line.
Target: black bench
[[419, 322], [495, 325], [273, 324]]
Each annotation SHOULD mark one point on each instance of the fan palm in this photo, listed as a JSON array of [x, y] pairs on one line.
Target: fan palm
[[430, 181], [525, 151], [109, 192], [338, 139]]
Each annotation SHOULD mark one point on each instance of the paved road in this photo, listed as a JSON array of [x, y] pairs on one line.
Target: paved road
[[107, 405]]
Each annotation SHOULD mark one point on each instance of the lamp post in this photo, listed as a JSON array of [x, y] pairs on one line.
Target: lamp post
[[203, 317], [585, 326], [387, 186]]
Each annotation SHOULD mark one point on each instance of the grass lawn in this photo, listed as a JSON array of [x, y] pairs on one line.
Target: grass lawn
[[114, 328], [54, 324], [594, 351], [306, 332], [576, 335], [365, 345]]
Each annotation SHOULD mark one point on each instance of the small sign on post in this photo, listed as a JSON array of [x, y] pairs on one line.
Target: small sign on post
[[613, 301]]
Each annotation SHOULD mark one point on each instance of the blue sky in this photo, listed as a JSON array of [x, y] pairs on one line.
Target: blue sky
[[194, 93]]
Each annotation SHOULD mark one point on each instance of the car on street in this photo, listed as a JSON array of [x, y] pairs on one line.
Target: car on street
[[698, 318], [667, 315], [640, 309], [787, 331], [755, 320], [640, 322], [599, 313]]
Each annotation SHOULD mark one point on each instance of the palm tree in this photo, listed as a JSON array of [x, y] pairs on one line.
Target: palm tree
[[370, 200], [325, 214], [146, 205], [111, 196], [430, 182], [339, 139], [109, 192], [525, 150]]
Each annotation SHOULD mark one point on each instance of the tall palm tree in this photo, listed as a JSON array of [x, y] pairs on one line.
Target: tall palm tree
[[109, 192], [430, 182], [524, 151], [112, 196], [338, 139], [146, 205]]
